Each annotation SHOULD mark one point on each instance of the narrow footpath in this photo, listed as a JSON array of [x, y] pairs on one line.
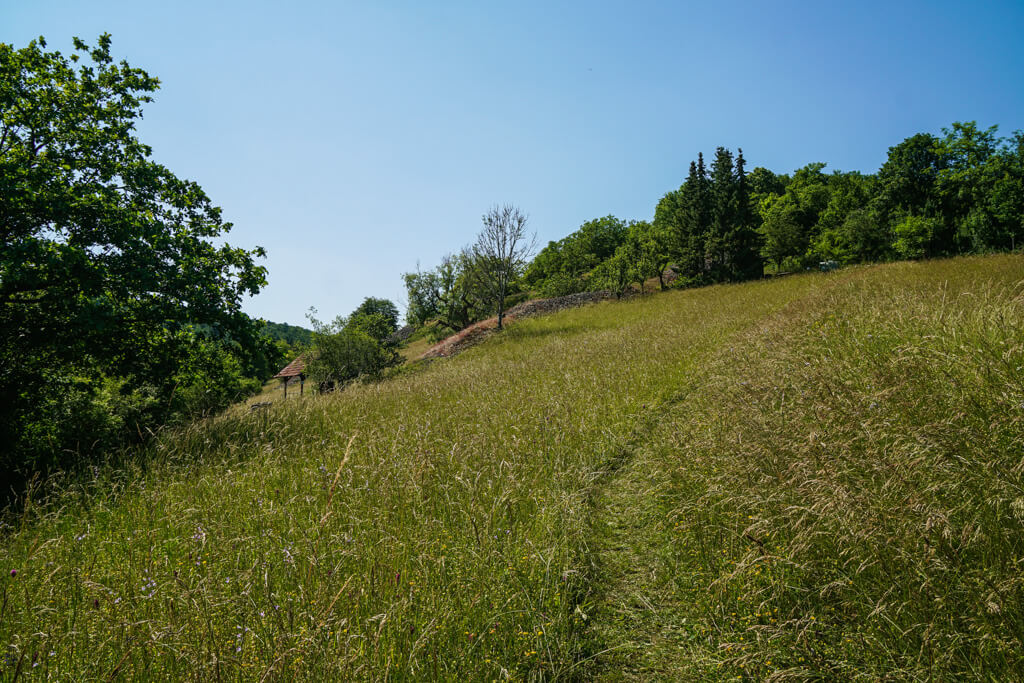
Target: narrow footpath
[[639, 619], [636, 630]]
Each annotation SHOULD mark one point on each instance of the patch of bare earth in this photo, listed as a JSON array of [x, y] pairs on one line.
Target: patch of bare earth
[[477, 332]]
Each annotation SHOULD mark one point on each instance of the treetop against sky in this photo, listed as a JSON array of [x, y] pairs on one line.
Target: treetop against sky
[[353, 141]]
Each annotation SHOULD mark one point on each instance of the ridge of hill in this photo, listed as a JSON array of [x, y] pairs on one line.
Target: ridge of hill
[[292, 334], [815, 477]]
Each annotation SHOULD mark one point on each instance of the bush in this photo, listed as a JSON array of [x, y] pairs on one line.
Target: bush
[[73, 417], [210, 380], [347, 353], [561, 284], [914, 236]]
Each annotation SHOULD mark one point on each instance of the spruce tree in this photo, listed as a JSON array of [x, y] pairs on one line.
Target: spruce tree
[[702, 214], [689, 237], [747, 257], [717, 247]]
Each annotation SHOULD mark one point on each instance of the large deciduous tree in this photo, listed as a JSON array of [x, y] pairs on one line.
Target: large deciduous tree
[[385, 308], [108, 266], [449, 295]]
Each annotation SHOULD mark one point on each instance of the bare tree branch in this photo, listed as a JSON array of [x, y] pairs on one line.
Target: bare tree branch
[[501, 251]]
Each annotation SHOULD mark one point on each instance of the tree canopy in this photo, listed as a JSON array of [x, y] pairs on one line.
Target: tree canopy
[[109, 271], [385, 308], [355, 347], [961, 192]]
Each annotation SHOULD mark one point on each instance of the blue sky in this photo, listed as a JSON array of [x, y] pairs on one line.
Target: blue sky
[[355, 140]]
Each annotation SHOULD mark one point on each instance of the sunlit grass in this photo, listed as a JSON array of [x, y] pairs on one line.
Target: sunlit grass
[[839, 497], [415, 348], [456, 536]]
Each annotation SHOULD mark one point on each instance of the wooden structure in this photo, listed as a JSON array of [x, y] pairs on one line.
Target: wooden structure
[[294, 369]]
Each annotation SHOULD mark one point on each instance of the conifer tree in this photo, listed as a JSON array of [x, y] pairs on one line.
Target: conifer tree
[[697, 211], [703, 205], [723, 215], [692, 222], [747, 248]]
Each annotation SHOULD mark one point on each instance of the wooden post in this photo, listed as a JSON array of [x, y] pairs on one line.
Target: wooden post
[[302, 383], [285, 380]]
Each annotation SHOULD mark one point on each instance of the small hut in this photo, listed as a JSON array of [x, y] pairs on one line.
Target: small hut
[[294, 369]]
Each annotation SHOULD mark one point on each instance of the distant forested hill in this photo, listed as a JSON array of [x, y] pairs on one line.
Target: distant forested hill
[[292, 334]]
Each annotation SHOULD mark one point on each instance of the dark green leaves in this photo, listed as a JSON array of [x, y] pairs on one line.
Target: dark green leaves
[[106, 263]]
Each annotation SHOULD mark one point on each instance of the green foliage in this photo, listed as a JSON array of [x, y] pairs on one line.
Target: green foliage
[[963, 193], [382, 307], [644, 255], [845, 231], [376, 325], [707, 226], [648, 248], [449, 295], [907, 180], [499, 256], [959, 193], [860, 237], [422, 291], [350, 348], [210, 378], [560, 284], [377, 318], [717, 245], [684, 216], [346, 354], [83, 414], [293, 335], [614, 274], [966, 185], [561, 267], [109, 270], [764, 182], [783, 230], [915, 236]]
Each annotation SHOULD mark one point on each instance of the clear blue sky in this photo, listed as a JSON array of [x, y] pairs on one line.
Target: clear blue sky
[[353, 140]]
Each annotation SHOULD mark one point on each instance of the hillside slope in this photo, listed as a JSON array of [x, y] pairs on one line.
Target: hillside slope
[[838, 497], [813, 477]]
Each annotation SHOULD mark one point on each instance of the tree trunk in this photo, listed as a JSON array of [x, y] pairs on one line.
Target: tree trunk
[[502, 290]]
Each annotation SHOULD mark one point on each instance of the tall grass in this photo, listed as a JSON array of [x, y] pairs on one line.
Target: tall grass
[[443, 524], [450, 543], [841, 496]]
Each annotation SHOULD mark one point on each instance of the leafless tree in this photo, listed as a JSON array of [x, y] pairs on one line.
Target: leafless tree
[[501, 251]]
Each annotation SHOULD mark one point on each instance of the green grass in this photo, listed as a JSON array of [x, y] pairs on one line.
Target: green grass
[[839, 497], [415, 348], [821, 472]]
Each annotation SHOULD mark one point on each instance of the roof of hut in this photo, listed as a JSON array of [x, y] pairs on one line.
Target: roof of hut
[[293, 369]]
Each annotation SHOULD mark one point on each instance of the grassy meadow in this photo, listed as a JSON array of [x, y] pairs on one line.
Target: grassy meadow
[[815, 477]]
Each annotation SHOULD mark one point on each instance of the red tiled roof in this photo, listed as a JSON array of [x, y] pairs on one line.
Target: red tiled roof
[[293, 369]]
